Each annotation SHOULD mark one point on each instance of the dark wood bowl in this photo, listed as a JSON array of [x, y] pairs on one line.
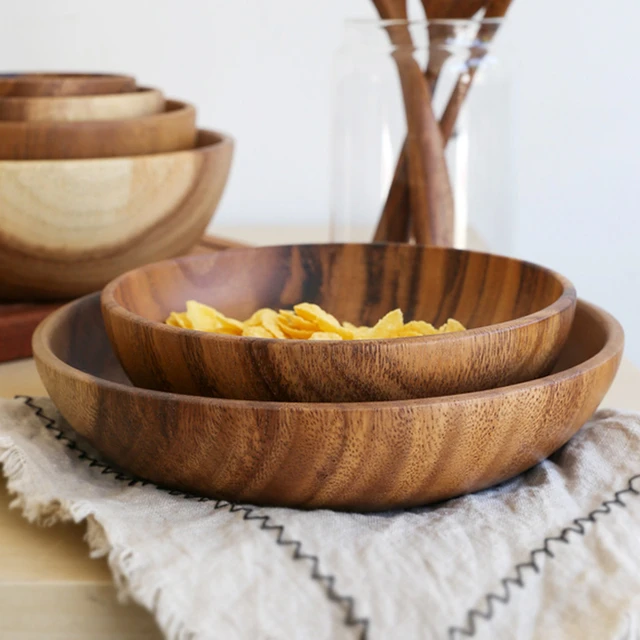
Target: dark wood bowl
[[63, 84], [172, 130], [71, 226], [356, 456], [519, 316]]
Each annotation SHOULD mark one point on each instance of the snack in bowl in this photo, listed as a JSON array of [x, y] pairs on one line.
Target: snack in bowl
[[306, 322], [517, 317]]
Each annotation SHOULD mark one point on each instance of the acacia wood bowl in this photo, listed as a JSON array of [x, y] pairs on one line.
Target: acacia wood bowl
[[172, 130], [71, 226], [519, 316], [64, 84], [117, 106], [372, 456]]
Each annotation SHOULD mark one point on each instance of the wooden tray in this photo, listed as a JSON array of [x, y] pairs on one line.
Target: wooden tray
[[18, 321]]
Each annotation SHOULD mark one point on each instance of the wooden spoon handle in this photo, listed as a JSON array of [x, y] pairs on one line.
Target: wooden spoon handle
[[394, 219], [430, 196], [395, 222], [486, 34], [393, 225]]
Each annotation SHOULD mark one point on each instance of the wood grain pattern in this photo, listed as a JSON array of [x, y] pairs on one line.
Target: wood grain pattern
[[427, 178], [465, 9], [68, 227], [19, 320], [64, 84], [397, 221], [520, 313], [356, 456], [118, 106], [172, 130]]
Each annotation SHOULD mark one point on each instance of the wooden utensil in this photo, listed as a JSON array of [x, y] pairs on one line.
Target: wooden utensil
[[429, 188], [496, 9], [172, 130], [70, 226], [118, 106], [364, 457], [63, 84], [519, 314], [395, 221]]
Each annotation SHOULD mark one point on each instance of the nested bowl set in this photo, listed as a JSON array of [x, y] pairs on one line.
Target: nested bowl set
[[98, 176], [355, 425], [103, 183]]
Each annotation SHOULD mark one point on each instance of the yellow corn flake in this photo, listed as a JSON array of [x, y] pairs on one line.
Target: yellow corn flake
[[202, 317], [323, 320], [293, 332], [179, 320], [256, 332], [408, 333], [325, 335], [257, 318], [230, 325], [389, 325], [420, 327], [270, 323], [305, 322], [296, 322], [452, 326]]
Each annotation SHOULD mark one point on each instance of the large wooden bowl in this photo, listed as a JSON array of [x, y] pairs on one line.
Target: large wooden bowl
[[69, 226], [63, 84], [117, 106], [519, 315], [172, 130], [356, 456]]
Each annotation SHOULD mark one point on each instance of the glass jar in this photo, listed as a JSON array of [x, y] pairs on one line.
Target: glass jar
[[369, 126]]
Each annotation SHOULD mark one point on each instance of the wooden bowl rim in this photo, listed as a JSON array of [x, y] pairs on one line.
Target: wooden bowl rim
[[35, 76], [173, 109], [107, 97], [42, 350], [564, 302], [218, 139]]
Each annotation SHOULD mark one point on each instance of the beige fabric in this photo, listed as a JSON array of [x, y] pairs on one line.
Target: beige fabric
[[554, 553]]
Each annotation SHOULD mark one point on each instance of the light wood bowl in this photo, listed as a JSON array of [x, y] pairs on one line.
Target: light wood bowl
[[63, 84], [356, 456], [117, 106], [70, 226], [172, 130], [519, 315]]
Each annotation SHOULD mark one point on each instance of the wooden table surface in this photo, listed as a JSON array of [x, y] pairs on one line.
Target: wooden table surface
[[50, 588]]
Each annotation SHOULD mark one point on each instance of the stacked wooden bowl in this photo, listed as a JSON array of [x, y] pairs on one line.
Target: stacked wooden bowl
[[98, 176], [369, 424]]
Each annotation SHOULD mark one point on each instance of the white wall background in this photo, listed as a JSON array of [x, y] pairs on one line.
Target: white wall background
[[260, 69]]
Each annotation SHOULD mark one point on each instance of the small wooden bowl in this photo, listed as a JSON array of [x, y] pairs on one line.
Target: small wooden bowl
[[358, 456], [519, 315], [70, 226], [172, 130], [118, 106], [63, 84]]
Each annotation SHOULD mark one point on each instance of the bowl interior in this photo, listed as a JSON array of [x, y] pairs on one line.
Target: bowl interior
[[356, 283], [81, 341]]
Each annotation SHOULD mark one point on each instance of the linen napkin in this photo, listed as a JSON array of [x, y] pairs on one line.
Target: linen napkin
[[554, 553]]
